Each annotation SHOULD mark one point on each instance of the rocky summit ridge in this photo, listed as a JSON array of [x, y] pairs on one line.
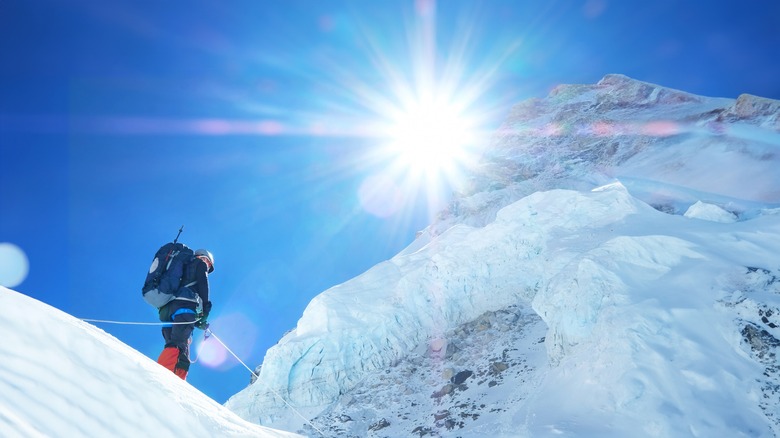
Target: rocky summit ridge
[[583, 136]]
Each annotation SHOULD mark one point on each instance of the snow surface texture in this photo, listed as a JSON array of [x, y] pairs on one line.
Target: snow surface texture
[[632, 227], [62, 377]]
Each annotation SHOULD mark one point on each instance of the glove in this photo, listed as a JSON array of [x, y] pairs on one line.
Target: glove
[[202, 324], [202, 317]]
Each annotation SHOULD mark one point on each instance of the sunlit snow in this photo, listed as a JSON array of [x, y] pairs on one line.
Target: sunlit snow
[[62, 377]]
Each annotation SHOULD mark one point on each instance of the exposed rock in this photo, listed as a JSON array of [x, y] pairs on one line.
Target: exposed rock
[[754, 109], [761, 342], [498, 367], [461, 377], [441, 415], [422, 431], [446, 389], [452, 349], [452, 424], [381, 424]]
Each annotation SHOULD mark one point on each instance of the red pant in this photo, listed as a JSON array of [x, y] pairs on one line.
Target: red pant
[[175, 355], [169, 358]]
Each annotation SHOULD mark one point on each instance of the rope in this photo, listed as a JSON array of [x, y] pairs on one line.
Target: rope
[[135, 323], [207, 334], [211, 334], [197, 355]]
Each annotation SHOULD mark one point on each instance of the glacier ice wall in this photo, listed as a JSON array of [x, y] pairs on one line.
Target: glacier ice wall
[[373, 320]]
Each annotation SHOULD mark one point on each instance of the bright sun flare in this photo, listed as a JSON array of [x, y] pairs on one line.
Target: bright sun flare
[[431, 139], [428, 116]]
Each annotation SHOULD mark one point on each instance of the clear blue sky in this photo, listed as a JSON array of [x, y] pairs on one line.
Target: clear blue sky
[[261, 127]]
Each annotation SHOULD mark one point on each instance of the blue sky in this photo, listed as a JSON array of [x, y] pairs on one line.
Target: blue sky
[[263, 128]]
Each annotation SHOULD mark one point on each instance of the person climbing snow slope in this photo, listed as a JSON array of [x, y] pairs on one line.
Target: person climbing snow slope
[[188, 310]]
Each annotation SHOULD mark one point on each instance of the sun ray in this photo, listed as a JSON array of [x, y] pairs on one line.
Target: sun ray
[[419, 112]]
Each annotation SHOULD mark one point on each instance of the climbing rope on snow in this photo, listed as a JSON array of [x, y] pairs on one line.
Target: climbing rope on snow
[[135, 323], [206, 335], [211, 334]]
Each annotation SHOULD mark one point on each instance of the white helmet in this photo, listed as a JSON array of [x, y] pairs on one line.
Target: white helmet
[[207, 254]]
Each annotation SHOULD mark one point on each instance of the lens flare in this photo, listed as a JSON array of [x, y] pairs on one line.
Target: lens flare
[[14, 265], [380, 196], [431, 139], [430, 121], [211, 354], [237, 331]]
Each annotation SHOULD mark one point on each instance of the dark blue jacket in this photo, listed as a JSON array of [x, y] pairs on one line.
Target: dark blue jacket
[[195, 287]]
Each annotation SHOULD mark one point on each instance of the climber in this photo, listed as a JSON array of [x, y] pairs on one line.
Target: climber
[[189, 309]]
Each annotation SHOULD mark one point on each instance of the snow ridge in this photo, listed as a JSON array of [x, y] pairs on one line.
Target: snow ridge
[[63, 377]]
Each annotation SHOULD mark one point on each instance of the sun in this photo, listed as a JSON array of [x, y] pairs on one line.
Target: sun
[[424, 112], [431, 140], [426, 150]]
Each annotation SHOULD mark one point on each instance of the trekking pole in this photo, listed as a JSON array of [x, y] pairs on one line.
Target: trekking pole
[[168, 256], [177, 236]]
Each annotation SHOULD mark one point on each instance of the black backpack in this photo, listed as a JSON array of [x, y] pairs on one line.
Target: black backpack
[[165, 274]]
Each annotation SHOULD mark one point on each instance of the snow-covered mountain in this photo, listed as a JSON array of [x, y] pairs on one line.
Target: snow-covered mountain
[[62, 377], [613, 270]]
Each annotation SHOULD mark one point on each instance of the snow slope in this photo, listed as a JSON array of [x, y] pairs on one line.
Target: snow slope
[[613, 271], [60, 376]]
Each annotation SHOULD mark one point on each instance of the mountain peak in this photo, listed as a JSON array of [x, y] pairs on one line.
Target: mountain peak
[[635, 225], [582, 136], [754, 109], [616, 91]]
